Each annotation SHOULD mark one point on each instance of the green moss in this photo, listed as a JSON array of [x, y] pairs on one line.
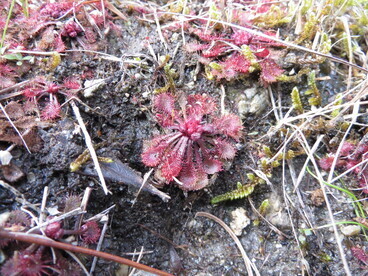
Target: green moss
[[309, 29], [295, 98], [267, 151], [294, 78], [336, 112], [241, 192], [249, 55], [170, 76], [276, 16], [316, 99]]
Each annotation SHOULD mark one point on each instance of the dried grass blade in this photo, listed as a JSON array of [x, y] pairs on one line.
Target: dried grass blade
[[90, 146], [248, 264]]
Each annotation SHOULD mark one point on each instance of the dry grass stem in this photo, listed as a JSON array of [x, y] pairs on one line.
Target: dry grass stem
[[41, 240], [250, 266], [145, 179], [15, 128], [71, 213], [43, 204], [139, 257], [105, 221], [90, 147]]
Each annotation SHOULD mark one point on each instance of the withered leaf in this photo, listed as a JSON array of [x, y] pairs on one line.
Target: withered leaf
[[119, 172], [31, 138], [11, 173], [14, 111]]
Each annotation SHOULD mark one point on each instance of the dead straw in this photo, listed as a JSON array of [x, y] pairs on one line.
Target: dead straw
[[248, 264], [40, 240]]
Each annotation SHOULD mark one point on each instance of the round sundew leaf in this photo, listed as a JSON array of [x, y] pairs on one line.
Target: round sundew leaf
[[189, 178], [193, 181], [270, 70], [199, 105], [171, 168], [212, 166], [152, 156], [225, 149], [229, 125], [164, 103]]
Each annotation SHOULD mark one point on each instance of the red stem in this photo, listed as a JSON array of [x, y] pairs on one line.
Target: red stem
[[40, 240]]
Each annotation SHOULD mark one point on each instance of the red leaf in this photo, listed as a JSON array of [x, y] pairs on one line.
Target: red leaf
[[173, 164], [91, 232], [200, 105], [359, 254], [164, 103], [212, 166], [215, 51], [347, 148], [241, 38], [326, 162], [152, 156], [52, 110], [194, 47], [193, 180], [270, 70], [71, 83], [224, 149], [229, 125], [206, 35], [238, 62], [262, 52]]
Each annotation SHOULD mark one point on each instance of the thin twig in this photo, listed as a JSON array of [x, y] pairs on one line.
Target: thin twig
[[248, 264], [328, 205], [273, 227], [75, 258], [15, 128], [100, 215], [287, 201], [89, 144], [332, 169], [140, 255], [159, 30], [222, 101], [38, 239], [83, 207], [43, 204], [144, 181], [12, 189], [162, 237], [104, 220], [74, 212], [17, 85], [345, 23]]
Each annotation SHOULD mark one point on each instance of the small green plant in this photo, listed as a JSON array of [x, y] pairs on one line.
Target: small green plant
[[358, 206], [241, 192], [295, 98], [336, 112], [10, 11], [313, 90], [18, 58]]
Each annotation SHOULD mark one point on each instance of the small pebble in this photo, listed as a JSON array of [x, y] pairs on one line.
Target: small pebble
[[240, 220], [350, 230]]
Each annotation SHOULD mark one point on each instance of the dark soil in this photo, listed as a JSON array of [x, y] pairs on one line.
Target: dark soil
[[119, 114]]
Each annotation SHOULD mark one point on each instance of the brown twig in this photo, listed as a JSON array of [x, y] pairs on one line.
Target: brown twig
[[37, 239]]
